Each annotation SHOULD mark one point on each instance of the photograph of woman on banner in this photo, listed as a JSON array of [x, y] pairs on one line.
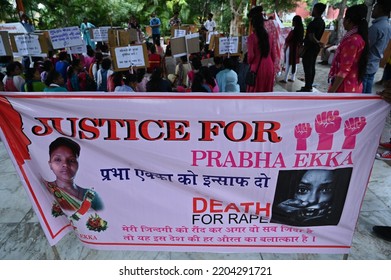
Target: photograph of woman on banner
[[71, 200], [314, 197]]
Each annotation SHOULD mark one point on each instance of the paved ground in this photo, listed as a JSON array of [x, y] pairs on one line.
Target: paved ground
[[320, 84]]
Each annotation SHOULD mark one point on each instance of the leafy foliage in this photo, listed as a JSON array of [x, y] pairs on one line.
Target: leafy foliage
[[49, 14]]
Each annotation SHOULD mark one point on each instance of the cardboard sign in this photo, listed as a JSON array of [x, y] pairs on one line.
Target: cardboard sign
[[185, 45], [178, 46], [126, 57], [5, 46], [65, 37], [228, 45], [28, 44], [178, 31], [100, 34], [122, 37], [210, 35], [43, 41], [193, 43]]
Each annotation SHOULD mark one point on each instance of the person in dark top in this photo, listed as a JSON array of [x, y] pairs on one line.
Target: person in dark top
[[157, 83], [217, 66], [312, 45]]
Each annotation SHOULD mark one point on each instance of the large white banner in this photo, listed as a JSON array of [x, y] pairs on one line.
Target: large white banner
[[220, 173]]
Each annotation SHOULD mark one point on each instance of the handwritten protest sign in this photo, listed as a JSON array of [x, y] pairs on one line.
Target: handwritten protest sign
[[28, 44], [65, 37], [228, 45], [79, 49], [134, 55], [100, 34]]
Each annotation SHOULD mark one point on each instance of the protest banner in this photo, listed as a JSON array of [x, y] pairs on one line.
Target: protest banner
[[130, 56], [5, 46], [65, 37], [196, 172]]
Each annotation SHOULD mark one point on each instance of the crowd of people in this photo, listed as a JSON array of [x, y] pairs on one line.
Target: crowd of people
[[355, 60]]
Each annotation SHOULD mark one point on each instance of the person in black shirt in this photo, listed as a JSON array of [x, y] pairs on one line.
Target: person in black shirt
[[312, 45]]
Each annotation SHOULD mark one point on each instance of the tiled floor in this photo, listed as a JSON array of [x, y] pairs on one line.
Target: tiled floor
[[21, 237]]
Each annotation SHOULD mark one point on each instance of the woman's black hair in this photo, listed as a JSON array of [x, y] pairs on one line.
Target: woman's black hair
[[257, 23], [140, 74], [106, 63], [72, 67], [98, 59], [229, 63], [155, 79], [90, 51], [197, 85], [117, 78], [47, 65], [51, 77], [208, 76], [298, 31], [130, 78], [63, 141], [357, 15], [62, 56], [196, 62], [29, 78], [11, 67]]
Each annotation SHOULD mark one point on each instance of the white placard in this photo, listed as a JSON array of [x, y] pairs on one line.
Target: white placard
[[228, 45], [65, 37], [179, 33], [129, 56], [13, 27], [2, 48], [28, 44], [79, 49], [101, 34]]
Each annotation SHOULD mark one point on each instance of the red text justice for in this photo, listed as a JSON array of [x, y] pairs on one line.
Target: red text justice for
[[153, 130]]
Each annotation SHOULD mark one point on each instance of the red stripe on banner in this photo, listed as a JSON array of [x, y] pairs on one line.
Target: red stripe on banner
[[209, 97]]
